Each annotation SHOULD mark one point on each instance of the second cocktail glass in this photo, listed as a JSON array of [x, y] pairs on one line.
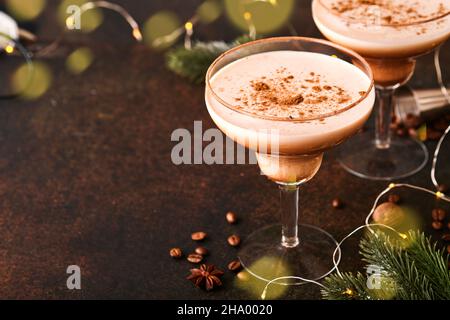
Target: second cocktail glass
[[289, 99], [389, 34]]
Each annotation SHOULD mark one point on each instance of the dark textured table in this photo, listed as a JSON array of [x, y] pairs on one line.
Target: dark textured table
[[86, 176]]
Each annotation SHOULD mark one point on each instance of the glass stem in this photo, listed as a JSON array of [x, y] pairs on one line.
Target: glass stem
[[384, 117], [289, 214]]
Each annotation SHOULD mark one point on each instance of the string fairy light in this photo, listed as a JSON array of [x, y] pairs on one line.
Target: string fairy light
[[444, 90], [367, 225], [136, 32], [10, 49]]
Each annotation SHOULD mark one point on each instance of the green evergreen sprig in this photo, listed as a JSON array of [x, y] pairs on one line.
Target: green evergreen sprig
[[413, 269], [193, 63]]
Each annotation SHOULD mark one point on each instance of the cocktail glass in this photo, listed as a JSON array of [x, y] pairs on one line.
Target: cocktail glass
[[390, 35], [289, 151]]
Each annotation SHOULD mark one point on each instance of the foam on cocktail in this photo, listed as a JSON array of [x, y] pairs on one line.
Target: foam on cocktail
[[384, 28], [302, 101]]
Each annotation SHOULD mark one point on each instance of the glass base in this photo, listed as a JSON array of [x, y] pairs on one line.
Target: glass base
[[263, 256], [403, 158]]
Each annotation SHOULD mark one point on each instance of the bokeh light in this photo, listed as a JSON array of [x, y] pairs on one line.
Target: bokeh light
[[31, 83], [90, 20], [79, 60], [25, 10], [209, 11], [160, 27], [271, 268], [267, 16]]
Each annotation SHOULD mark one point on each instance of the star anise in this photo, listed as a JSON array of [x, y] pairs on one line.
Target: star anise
[[206, 276]]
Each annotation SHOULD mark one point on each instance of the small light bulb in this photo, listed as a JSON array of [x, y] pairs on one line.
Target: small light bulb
[[9, 49], [348, 291], [188, 26], [137, 34], [391, 185], [403, 236], [247, 15], [439, 194], [70, 21]]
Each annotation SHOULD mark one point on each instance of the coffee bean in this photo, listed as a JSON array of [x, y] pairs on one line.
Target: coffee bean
[[234, 240], [412, 121], [437, 225], [440, 124], [337, 203], [201, 251], [443, 188], [401, 132], [231, 217], [438, 214], [198, 236], [448, 248], [394, 198], [195, 258], [433, 134], [446, 237], [412, 132], [176, 253], [235, 266]]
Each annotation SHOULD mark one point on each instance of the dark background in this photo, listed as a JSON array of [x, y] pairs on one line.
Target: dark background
[[86, 176]]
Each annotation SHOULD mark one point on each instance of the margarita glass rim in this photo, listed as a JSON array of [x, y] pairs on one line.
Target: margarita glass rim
[[392, 25], [351, 53]]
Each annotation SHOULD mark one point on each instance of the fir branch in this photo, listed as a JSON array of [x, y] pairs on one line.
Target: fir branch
[[414, 269], [193, 63], [346, 287]]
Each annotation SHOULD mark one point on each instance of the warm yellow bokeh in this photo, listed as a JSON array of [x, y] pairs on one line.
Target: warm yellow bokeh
[[89, 20], [25, 10], [79, 60], [209, 11], [32, 82], [270, 268], [159, 28], [266, 16]]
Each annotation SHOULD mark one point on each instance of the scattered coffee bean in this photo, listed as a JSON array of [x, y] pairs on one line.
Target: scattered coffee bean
[[195, 258], [235, 266], [443, 188], [394, 198], [176, 253], [412, 132], [438, 214], [448, 248], [446, 237], [448, 225], [433, 134], [412, 121], [234, 240], [231, 217], [440, 124], [337, 203], [401, 132], [437, 225], [201, 251], [198, 236]]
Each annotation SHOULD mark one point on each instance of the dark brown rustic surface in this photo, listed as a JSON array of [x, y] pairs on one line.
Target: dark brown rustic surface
[[86, 176]]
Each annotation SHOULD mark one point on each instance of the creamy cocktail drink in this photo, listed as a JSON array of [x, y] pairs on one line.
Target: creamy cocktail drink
[[289, 99], [392, 31], [390, 34], [297, 100]]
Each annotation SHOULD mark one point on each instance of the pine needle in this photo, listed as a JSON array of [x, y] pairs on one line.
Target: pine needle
[[193, 63]]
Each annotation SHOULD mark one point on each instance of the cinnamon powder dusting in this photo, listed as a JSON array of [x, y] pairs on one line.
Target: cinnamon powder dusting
[[283, 95], [391, 13]]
